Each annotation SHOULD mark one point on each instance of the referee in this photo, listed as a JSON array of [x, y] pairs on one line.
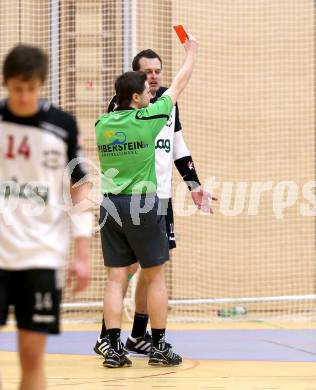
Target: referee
[[170, 148], [131, 229]]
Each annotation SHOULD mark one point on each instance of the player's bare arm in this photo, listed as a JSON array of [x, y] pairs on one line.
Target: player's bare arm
[[184, 74]]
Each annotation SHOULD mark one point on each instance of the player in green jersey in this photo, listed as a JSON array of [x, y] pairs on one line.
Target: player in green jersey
[[131, 229]]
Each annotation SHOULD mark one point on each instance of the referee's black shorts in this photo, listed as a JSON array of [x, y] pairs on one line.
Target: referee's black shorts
[[128, 235]]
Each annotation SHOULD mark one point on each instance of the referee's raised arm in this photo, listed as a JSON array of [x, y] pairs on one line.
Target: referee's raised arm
[[184, 74]]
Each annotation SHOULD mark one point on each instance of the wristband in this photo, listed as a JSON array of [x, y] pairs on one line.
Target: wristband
[[187, 170], [81, 224]]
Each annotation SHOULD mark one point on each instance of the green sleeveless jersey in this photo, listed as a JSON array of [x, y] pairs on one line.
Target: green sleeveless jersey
[[126, 147]]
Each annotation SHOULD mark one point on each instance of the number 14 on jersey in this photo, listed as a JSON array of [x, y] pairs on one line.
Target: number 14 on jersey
[[15, 149]]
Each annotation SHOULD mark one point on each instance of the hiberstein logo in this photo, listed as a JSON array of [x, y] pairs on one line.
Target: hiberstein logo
[[117, 144]]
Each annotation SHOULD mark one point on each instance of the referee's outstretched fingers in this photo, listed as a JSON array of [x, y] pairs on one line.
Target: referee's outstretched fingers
[[207, 201], [202, 199], [212, 197]]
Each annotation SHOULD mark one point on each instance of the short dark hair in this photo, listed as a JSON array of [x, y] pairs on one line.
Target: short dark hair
[[26, 62], [148, 53], [127, 84]]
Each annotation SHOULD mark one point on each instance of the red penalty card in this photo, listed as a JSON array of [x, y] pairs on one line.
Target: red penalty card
[[180, 31]]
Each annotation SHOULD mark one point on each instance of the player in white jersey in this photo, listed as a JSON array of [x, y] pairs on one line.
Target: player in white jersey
[[170, 149], [37, 141]]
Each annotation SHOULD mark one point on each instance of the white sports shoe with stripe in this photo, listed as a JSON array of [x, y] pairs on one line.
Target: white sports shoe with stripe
[[140, 345]]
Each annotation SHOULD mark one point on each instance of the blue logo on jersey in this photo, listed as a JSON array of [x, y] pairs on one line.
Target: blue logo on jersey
[[115, 137]]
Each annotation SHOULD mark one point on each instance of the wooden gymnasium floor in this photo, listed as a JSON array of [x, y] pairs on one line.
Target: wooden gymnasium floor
[[226, 356]]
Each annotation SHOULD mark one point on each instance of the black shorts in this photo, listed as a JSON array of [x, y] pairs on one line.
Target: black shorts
[[165, 208], [35, 297], [128, 236]]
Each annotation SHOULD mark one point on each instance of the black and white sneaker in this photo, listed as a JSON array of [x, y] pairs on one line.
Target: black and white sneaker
[[140, 345], [102, 346], [164, 356], [116, 358]]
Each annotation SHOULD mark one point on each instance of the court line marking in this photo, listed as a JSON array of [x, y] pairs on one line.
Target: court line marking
[[290, 347], [194, 365]]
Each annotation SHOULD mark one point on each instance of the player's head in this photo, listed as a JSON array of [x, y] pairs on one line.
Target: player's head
[[132, 90], [24, 72], [150, 63]]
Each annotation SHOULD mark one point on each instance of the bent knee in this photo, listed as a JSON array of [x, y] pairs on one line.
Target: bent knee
[[153, 273], [117, 275]]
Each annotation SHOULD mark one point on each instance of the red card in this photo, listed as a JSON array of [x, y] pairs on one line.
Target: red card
[[180, 31]]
